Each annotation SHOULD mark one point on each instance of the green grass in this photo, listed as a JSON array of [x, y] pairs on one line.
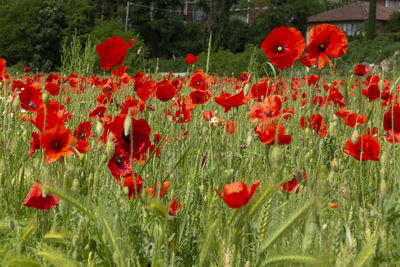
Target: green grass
[[96, 224]]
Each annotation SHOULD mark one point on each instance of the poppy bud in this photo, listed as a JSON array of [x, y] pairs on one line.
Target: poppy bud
[[63, 207], [116, 258], [16, 103], [307, 131], [381, 85], [249, 140], [355, 136], [383, 187], [75, 255], [276, 156], [383, 158], [90, 179], [201, 189], [128, 123], [246, 89], [110, 149], [104, 159], [331, 128], [75, 185], [99, 128], [126, 190], [335, 165], [331, 176], [75, 239], [44, 192], [45, 97]]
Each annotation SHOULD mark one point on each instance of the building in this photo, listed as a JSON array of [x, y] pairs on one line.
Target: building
[[192, 13], [351, 18]]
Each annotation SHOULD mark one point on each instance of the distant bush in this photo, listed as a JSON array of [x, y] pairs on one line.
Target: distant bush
[[393, 24]]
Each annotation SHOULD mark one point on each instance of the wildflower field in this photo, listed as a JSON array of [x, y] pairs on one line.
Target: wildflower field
[[127, 169]]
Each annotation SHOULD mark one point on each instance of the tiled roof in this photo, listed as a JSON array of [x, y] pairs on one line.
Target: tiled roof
[[356, 11]]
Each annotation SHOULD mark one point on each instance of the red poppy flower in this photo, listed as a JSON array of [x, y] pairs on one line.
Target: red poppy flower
[[190, 59], [35, 198], [99, 112], [267, 132], [139, 134], [173, 208], [31, 97], [200, 81], [391, 119], [52, 88], [134, 186], [50, 115], [57, 142], [372, 91], [181, 113], [231, 127], [165, 91], [312, 79], [244, 78], [259, 90], [283, 46], [26, 69], [2, 67], [369, 151], [324, 40], [355, 119], [163, 192], [227, 101], [361, 70], [238, 194], [112, 52], [290, 186], [318, 124], [35, 143], [392, 137], [120, 163], [267, 110], [82, 133], [197, 98]]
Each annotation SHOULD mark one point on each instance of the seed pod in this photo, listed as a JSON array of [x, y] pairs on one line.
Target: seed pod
[[110, 149], [128, 123], [249, 140], [45, 97], [75, 185], [381, 85], [276, 156], [335, 165], [383, 187], [355, 136], [16, 103], [99, 128]]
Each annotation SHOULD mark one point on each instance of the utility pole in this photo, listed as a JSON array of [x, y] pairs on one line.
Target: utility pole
[[127, 16]]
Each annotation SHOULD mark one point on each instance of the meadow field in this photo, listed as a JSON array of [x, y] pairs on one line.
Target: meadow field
[[139, 169]]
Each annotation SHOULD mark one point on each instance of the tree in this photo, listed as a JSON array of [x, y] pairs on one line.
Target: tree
[[217, 20], [47, 38], [18, 24], [371, 31]]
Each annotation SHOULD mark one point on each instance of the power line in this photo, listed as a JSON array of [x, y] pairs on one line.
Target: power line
[[152, 8]]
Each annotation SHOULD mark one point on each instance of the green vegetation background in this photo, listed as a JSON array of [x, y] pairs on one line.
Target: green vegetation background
[[37, 33]]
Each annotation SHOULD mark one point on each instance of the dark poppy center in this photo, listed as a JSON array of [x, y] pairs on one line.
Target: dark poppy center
[[322, 47], [127, 138], [118, 161], [31, 104], [56, 144], [279, 49], [198, 83]]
